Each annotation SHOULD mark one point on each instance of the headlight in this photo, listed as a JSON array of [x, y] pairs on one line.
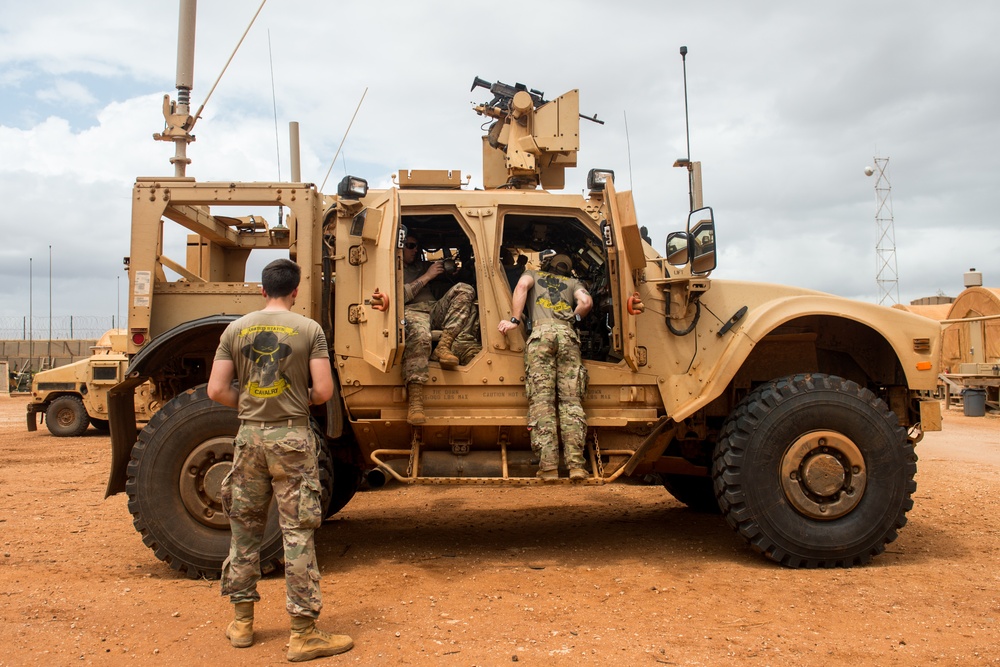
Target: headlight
[[596, 178], [352, 187]]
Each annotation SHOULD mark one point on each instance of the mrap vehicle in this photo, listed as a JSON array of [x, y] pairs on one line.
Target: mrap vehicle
[[793, 412]]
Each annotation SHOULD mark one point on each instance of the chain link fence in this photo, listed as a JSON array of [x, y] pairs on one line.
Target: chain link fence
[[66, 327]]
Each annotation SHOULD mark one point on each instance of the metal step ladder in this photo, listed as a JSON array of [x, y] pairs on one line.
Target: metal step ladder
[[503, 467]]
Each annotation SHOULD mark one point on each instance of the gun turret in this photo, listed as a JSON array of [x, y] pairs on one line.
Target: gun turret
[[532, 140]]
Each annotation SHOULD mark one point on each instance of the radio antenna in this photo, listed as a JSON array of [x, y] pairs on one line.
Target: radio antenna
[[274, 104], [628, 148], [226, 66], [334, 160], [687, 131]]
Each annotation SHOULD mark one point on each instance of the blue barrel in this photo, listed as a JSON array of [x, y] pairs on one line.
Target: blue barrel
[[974, 402]]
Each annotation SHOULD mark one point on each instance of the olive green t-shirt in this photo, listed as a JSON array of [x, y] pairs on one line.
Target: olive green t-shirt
[[271, 350], [552, 296]]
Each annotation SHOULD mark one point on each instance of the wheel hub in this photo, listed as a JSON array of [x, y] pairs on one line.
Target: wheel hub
[[201, 481], [823, 474], [65, 417]]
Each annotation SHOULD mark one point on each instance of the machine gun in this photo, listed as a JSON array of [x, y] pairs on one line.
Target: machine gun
[[503, 94]]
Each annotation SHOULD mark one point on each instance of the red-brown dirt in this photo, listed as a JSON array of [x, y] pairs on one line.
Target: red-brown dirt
[[486, 576]]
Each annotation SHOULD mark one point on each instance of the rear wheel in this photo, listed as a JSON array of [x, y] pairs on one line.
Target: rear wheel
[[66, 417], [814, 471], [346, 482], [698, 493]]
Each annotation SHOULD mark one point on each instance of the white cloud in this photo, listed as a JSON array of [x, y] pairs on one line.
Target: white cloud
[[67, 92], [788, 103]]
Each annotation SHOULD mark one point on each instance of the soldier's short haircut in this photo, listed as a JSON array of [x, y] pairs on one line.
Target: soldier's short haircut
[[280, 278]]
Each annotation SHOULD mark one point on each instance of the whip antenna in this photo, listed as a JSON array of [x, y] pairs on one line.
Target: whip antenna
[[687, 130], [226, 66], [334, 160], [274, 104], [628, 148]]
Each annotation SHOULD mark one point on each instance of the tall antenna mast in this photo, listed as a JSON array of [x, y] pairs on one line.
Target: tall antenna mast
[[686, 161], [886, 274], [178, 121]]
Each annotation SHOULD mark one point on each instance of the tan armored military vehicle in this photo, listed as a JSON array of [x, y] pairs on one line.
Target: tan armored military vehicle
[[72, 397], [794, 413]]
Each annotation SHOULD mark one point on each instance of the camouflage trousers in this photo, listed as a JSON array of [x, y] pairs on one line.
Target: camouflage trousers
[[555, 383], [468, 343], [279, 462], [452, 314]]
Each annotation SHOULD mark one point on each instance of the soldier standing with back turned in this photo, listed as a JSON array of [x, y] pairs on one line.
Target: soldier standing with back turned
[[555, 376], [274, 353]]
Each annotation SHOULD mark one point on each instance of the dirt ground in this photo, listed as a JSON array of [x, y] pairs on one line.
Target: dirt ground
[[481, 576]]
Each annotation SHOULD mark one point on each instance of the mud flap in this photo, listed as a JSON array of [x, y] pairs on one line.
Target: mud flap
[[930, 415], [121, 411]]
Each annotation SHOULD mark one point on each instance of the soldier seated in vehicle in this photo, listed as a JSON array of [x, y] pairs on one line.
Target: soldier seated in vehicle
[[454, 313]]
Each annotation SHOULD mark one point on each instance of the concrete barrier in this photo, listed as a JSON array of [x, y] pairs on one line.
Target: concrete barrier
[[17, 352]]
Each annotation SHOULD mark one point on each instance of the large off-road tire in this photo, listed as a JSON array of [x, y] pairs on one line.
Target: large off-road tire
[[173, 485], [66, 417], [698, 493], [346, 482], [814, 471]]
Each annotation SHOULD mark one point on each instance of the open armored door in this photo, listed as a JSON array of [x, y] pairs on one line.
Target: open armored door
[[627, 261], [379, 306]]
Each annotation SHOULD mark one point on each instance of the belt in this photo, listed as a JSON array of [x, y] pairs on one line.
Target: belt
[[281, 423]]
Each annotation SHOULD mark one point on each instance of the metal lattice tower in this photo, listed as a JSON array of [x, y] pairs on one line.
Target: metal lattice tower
[[886, 274]]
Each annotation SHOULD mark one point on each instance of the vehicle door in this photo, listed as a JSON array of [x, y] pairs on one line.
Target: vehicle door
[[626, 264], [379, 306]]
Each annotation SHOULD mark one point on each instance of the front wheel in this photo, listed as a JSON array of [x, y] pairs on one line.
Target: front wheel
[[174, 486], [66, 417], [814, 471]]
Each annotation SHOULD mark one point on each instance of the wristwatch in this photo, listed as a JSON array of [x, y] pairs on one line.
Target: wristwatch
[[515, 320]]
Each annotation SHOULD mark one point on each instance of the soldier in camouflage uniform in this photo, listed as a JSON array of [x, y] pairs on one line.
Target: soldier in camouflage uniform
[[454, 314], [555, 376], [273, 354]]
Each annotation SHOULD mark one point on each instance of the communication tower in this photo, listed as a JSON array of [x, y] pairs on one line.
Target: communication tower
[[886, 274]]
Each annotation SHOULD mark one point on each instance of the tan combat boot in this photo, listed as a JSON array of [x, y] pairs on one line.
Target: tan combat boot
[[415, 393], [308, 642], [548, 474], [240, 631], [443, 351]]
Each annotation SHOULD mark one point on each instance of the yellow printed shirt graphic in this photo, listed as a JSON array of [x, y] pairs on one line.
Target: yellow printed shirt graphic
[[275, 389], [552, 297], [275, 329]]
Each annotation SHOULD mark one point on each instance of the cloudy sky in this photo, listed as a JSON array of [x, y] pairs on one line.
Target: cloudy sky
[[789, 101]]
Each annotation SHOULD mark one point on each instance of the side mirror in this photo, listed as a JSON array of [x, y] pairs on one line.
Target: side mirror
[[701, 229], [677, 248]]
